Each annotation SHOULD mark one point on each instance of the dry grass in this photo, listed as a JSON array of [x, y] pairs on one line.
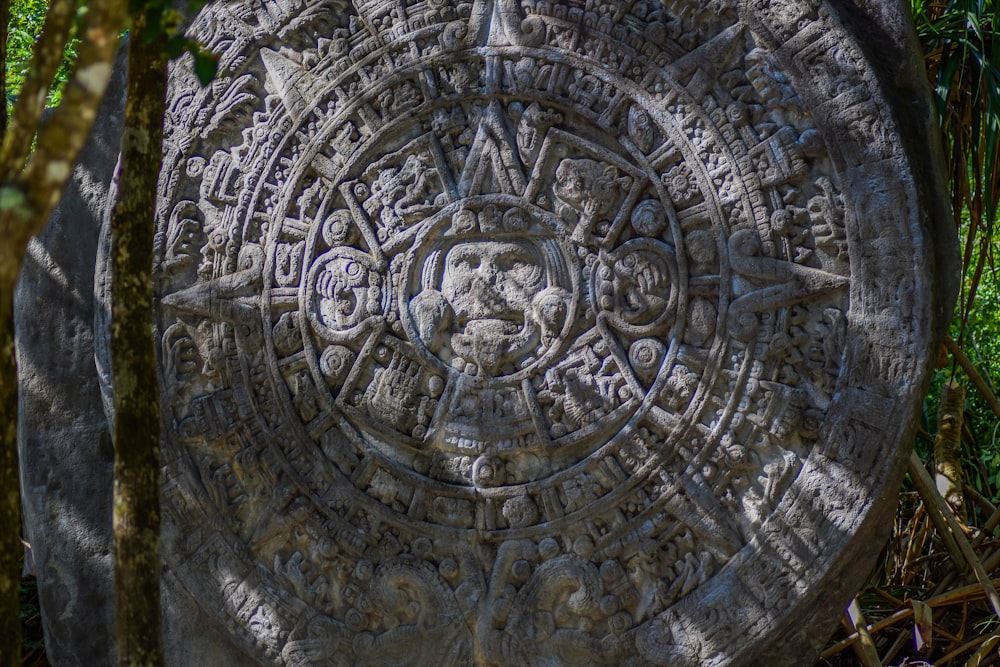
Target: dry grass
[[928, 606]]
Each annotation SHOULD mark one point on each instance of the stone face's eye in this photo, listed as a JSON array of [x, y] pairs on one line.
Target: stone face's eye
[[510, 261], [461, 260]]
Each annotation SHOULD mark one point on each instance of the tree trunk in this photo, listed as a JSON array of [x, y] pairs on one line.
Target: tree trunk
[[29, 189], [948, 448], [133, 358], [10, 506]]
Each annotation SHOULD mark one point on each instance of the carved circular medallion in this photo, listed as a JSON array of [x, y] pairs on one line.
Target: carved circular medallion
[[528, 333]]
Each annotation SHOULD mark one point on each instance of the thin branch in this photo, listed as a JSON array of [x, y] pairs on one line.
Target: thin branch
[[46, 58], [27, 198], [949, 529], [31, 195], [970, 593], [4, 21], [927, 490], [977, 379], [984, 642], [10, 501], [854, 619]]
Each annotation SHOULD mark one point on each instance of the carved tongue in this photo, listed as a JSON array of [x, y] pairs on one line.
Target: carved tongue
[[491, 342]]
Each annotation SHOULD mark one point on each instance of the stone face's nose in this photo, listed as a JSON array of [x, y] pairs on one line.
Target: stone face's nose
[[491, 280], [486, 294]]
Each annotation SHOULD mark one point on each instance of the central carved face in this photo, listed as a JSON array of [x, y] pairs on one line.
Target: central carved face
[[491, 281], [489, 286]]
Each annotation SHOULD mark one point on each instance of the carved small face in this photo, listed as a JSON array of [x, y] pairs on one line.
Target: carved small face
[[571, 180], [589, 186], [492, 280], [635, 284], [185, 244]]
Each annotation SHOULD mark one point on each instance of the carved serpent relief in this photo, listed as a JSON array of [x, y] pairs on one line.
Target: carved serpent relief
[[505, 332]]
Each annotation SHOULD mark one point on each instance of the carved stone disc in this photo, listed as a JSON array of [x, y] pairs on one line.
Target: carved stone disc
[[530, 333]]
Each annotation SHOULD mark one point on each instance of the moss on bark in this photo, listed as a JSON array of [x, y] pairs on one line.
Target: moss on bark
[[133, 359]]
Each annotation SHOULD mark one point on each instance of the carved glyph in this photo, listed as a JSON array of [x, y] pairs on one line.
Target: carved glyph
[[527, 333]]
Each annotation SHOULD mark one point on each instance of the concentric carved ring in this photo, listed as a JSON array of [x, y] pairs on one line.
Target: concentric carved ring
[[529, 333]]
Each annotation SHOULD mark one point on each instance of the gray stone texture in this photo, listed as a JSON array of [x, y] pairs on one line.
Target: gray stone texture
[[508, 333], [65, 443], [66, 451]]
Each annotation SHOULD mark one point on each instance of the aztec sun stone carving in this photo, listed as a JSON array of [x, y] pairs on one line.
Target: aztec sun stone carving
[[503, 332]]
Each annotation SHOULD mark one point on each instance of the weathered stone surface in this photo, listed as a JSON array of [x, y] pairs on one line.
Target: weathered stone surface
[[528, 333], [65, 445]]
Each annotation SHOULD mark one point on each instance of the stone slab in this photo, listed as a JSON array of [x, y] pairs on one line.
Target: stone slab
[[533, 333]]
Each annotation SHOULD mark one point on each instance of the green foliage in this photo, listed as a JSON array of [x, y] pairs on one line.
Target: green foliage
[[28, 16], [959, 39], [964, 69], [26, 20], [163, 20], [31, 618]]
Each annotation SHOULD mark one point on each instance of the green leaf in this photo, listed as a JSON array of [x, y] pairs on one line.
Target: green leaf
[[12, 199], [205, 66], [176, 45], [172, 20]]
